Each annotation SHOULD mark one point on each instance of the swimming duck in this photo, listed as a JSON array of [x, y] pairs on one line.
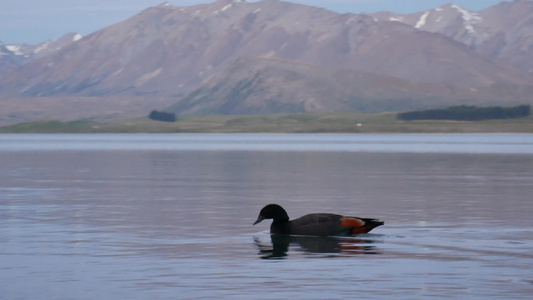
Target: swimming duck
[[320, 224]]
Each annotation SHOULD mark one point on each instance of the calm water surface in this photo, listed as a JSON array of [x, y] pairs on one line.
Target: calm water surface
[[169, 216]]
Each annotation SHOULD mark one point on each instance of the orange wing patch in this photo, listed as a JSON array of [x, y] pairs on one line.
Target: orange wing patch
[[351, 222]]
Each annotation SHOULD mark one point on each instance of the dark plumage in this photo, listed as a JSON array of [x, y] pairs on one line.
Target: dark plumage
[[321, 224]]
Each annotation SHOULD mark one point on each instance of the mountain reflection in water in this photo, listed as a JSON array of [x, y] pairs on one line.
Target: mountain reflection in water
[[280, 245]]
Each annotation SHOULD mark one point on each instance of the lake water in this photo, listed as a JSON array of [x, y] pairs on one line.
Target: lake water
[[170, 216]]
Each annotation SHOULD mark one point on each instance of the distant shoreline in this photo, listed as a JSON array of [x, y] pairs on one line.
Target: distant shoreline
[[278, 123]]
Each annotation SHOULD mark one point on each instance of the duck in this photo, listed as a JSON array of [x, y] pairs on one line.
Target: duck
[[317, 224]]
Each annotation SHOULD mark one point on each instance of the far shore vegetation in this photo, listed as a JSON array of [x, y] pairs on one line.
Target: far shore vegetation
[[162, 116], [278, 123], [467, 113]]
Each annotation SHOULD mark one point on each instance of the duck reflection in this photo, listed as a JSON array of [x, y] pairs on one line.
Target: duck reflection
[[280, 244]]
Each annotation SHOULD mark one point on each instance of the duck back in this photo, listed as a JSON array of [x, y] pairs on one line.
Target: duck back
[[321, 224]]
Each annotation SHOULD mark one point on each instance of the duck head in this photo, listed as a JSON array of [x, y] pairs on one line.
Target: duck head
[[272, 211]]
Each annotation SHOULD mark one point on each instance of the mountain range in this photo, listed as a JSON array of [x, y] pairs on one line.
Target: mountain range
[[270, 56], [14, 56], [503, 31]]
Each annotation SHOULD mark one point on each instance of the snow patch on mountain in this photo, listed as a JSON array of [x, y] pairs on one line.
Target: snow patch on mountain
[[16, 49], [396, 19], [42, 47], [422, 21], [226, 7], [469, 18]]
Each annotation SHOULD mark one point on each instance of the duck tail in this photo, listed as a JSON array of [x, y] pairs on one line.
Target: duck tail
[[360, 225]]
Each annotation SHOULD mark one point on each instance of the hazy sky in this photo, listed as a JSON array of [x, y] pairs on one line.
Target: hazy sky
[[34, 21]]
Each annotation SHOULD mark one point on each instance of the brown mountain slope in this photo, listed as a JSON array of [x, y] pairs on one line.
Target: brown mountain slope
[[511, 29], [8, 62], [259, 85]]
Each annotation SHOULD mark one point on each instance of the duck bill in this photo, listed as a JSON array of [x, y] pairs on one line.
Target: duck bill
[[259, 219]]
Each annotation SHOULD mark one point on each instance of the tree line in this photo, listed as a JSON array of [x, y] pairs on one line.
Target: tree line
[[467, 113], [162, 116]]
